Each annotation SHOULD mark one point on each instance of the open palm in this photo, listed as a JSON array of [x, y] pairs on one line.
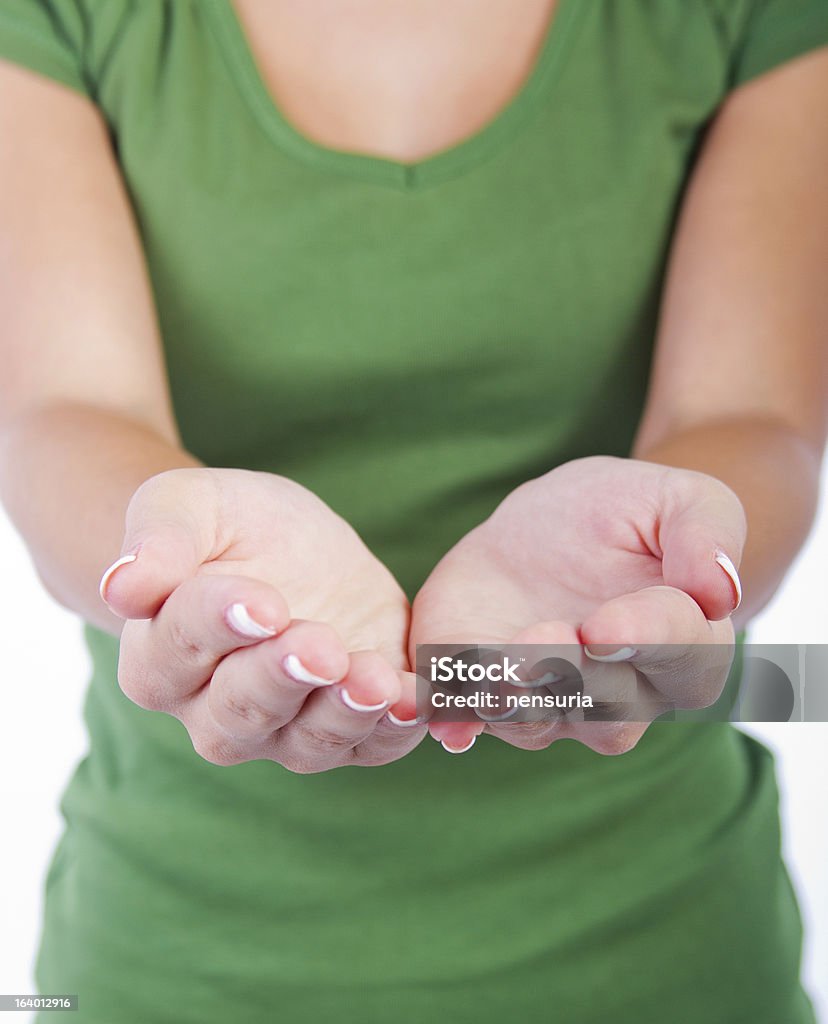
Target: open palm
[[610, 553]]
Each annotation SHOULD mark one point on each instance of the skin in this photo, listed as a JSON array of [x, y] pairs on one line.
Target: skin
[[737, 403], [596, 551], [398, 80], [241, 537]]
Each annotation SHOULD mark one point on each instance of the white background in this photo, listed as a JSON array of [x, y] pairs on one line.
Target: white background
[[42, 737]]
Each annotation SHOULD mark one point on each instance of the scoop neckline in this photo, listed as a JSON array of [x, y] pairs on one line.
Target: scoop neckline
[[446, 163]]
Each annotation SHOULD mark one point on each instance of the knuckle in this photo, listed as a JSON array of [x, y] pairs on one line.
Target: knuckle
[[142, 687], [729, 495], [700, 690], [617, 738], [369, 755], [695, 700], [187, 646], [216, 749], [146, 497], [157, 484], [301, 763], [242, 706], [141, 495], [528, 735], [320, 738]]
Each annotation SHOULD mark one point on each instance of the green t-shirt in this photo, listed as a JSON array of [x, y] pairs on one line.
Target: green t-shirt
[[411, 341]]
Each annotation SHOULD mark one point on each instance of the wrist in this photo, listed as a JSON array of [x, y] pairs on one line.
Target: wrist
[[67, 473]]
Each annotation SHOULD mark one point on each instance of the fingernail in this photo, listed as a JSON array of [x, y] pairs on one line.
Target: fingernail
[[294, 668], [460, 750], [622, 654], [405, 723], [545, 680], [502, 717], [110, 572], [240, 620], [354, 705], [730, 569]]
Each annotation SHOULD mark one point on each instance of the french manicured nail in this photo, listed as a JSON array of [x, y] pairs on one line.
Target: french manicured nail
[[730, 569], [502, 717], [354, 705], [296, 670], [459, 750], [242, 622], [110, 572], [545, 680], [404, 723], [622, 654]]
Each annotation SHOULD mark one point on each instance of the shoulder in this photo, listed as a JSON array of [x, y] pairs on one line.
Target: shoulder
[[74, 40], [758, 35], [90, 34], [735, 39]]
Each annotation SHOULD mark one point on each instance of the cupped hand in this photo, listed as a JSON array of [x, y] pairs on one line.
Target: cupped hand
[[258, 618], [632, 561]]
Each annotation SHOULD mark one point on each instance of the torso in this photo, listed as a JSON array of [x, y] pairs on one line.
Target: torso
[[411, 343], [399, 80]]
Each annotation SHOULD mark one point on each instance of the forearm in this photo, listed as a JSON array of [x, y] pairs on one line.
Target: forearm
[[775, 474], [67, 472]]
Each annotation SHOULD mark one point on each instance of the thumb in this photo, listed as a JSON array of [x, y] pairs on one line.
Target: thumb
[[170, 531], [702, 537]]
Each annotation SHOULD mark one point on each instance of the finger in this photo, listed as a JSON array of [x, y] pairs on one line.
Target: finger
[[617, 690], [582, 689], [398, 731], [701, 535], [256, 690], [405, 712], [335, 719], [166, 658], [564, 645], [170, 530], [252, 694], [607, 738], [622, 705], [459, 737], [663, 633], [618, 693]]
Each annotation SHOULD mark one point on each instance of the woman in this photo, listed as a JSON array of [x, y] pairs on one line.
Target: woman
[[296, 296]]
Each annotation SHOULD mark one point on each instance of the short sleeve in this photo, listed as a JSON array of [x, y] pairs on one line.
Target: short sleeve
[[45, 36], [776, 31]]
